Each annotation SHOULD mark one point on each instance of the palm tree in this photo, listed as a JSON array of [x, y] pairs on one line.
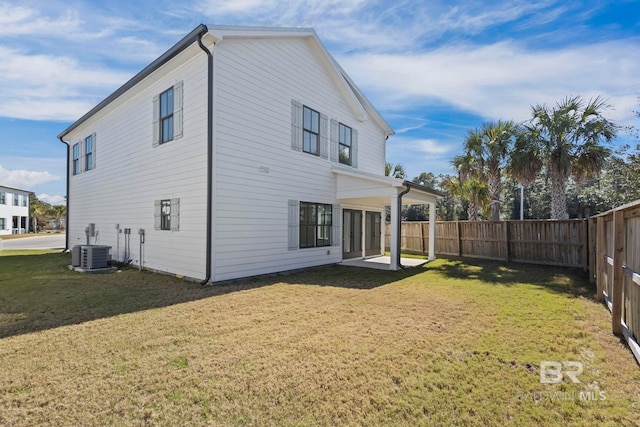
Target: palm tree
[[59, 211], [396, 171], [38, 213], [490, 147], [470, 184], [563, 141]]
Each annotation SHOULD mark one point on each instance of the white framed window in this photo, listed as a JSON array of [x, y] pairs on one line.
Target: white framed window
[[25, 199], [3, 198], [3, 223], [167, 214], [168, 115], [16, 199]]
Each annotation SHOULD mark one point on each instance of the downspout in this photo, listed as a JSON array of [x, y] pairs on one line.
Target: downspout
[[66, 214], [209, 157], [399, 240]]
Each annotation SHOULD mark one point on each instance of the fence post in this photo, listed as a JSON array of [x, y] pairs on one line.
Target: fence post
[[422, 238], [506, 240], [601, 261], [591, 248], [583, 250], [459, 238], [618, 272]]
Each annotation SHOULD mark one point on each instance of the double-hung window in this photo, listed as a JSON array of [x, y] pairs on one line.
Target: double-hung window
[[16, 200], [167, 115], [167, 214], [344, 144], [315, 224], [25, 199], [3, 198], [2, 223], [310, 131], [76, 158], [88, 152]]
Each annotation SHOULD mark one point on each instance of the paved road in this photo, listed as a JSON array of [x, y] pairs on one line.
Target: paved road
[[55, 241]]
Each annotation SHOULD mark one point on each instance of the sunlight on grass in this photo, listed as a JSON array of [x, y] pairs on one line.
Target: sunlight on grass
[[449, 343]]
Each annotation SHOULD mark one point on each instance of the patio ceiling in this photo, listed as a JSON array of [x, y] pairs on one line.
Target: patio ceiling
[[374, 190]]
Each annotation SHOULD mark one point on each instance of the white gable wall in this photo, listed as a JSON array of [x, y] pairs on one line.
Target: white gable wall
[[130, 173], [256, 171]]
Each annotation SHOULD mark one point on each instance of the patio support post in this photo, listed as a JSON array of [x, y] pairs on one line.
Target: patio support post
[[395, 233], [432, 231]]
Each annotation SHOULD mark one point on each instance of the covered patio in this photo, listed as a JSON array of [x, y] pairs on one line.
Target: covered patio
[[366, 190]]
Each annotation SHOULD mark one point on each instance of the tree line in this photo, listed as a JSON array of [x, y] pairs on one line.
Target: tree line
[[561, 156], [45, 216]]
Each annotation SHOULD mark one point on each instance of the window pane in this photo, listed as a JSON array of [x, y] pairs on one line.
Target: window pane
[[165, 215], [310, 120], [307, 118], [170, 101], [345, 155], [167, 129], [166, 103]]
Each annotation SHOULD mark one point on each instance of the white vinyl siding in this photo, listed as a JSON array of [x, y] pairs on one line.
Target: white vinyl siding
[[261, 171], [132, 174]]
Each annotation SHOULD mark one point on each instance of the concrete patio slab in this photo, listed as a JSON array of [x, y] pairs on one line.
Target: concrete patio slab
[[381, 262]]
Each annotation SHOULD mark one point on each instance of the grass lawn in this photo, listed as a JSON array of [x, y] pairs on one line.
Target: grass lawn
[[450, 343]]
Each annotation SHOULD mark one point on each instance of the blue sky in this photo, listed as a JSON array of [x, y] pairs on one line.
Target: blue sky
[[434, 69]]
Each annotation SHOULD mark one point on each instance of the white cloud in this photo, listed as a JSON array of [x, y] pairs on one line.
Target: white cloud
[[419, 155], [501, 80], [425, 146], [52, 199], [45, 87], [24, 179], [20, 20]]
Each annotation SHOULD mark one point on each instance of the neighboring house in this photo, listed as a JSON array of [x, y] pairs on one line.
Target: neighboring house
[[14, 210], [240, 151]]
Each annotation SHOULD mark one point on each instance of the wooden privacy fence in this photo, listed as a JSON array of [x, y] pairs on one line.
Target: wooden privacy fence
[[562, 243], [616, 271]]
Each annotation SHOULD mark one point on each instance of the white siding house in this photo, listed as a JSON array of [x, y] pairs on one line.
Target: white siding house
[[240, 151], [14, 211]]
